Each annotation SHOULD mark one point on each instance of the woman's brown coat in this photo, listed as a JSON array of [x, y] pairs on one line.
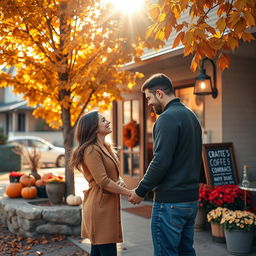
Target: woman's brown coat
[[101, 220]]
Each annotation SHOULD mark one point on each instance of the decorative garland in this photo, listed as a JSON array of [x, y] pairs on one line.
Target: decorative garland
[[131, 134]]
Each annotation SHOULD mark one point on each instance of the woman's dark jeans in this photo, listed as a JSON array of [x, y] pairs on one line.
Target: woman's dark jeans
[[103, 250]]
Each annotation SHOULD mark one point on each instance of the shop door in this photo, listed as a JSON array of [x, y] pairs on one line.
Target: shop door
[[131, 158]]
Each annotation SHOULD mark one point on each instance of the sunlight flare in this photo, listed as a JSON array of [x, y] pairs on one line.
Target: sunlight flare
[[128, 6]]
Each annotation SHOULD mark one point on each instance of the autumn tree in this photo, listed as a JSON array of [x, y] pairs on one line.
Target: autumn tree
[[67, 55], [191, 22]]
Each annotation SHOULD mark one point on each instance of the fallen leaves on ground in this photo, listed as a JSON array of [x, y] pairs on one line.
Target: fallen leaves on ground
[[15, 245]]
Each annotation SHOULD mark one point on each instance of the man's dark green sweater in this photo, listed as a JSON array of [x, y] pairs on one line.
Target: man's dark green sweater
[[174, 171]]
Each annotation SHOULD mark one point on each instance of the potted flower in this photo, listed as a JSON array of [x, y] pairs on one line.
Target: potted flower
[[214, 217], [55, 189], [14, 177], [238, 228], [204, 206]]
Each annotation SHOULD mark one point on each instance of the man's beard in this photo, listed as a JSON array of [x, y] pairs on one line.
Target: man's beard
[[157, 108]]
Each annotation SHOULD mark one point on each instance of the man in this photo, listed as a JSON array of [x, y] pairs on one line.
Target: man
[[174, 171]]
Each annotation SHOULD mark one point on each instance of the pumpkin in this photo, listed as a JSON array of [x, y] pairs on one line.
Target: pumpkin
[[40, 183], [13, 190], [73, 200], [29, 192], [46, 176], [27, 180]]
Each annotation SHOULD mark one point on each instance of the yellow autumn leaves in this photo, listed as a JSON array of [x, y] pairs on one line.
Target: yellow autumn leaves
[[204, 28], [67, 56]]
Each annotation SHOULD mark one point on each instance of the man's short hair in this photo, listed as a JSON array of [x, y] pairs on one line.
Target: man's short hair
[[158, 81]]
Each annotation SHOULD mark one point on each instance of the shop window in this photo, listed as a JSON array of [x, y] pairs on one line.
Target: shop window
[[131, 156]]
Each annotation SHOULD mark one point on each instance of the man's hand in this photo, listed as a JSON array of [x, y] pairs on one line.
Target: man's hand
[[134, 198]]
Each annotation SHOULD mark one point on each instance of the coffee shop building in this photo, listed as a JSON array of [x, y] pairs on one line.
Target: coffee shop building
[[228, 117]]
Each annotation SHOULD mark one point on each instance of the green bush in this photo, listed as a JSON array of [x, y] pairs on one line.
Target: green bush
[[9, 160], [3, 138]]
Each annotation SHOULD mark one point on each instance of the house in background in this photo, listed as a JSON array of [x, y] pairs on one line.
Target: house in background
[[16, 117]]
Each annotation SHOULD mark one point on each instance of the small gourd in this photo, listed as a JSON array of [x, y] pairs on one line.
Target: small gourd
[[40, 183], [29, 192], [13, 190], [73, 200]]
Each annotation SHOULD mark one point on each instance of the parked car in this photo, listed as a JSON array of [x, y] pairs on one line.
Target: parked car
[[49, 153]]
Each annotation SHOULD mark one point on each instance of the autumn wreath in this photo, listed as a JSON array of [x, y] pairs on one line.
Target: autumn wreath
[[131, 133]]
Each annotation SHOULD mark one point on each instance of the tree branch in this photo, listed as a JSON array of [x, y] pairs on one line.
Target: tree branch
[[231, 5], [48, 22], [83, 108], [206, 13]]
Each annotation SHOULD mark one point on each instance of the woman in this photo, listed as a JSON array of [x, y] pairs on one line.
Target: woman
[[101, 220]]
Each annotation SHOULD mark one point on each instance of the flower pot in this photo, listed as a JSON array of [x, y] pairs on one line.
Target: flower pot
[[55, 192], [41, 191], [239, 242], [14, 179], [217, 233], [200, 221]]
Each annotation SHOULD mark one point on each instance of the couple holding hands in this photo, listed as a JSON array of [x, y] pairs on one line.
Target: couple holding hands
[[173, 174]]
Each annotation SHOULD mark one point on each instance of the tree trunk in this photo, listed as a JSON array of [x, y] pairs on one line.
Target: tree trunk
[[67, 129], [68, 137]]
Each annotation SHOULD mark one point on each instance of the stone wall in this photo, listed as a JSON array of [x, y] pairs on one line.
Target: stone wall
[[30, 220]]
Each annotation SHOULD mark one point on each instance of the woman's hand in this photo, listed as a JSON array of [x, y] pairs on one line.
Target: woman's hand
[[121, 183]]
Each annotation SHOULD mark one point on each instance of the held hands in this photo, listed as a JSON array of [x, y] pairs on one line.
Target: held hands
[[125, 190], [134, 198]]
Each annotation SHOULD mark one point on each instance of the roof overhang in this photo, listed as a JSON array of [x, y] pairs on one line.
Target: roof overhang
[[6, 107], [153, 56]]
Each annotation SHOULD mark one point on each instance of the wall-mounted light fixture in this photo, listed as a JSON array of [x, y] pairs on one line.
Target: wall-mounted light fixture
[[203, 82]]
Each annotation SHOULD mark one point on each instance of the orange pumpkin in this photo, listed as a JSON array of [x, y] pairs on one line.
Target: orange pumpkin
[[13, 190], [40, 183], [47, 176], [27, 180], [29, 192]]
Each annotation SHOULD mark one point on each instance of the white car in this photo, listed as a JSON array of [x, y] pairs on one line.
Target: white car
[[49, 153]]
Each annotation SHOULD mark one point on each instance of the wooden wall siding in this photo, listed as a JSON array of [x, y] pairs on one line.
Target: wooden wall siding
[[239, 111], [213, 109]]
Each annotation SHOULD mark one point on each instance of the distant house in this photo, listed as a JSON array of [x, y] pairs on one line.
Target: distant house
[[16, 116]]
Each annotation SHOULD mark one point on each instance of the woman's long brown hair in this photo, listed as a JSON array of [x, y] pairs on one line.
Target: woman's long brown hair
[[85, 134]]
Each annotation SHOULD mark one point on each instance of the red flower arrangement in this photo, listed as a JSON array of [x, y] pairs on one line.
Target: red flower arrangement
[[229, 196], [15, 174], [204, 193]]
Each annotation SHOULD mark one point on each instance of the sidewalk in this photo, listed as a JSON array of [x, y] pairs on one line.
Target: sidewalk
[[137, 234], [137, 238]]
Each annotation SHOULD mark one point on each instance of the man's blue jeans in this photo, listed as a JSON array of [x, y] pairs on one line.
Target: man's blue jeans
[[172, 227]]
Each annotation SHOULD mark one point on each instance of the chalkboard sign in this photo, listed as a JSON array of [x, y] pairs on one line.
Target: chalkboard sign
[[219, 164]]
